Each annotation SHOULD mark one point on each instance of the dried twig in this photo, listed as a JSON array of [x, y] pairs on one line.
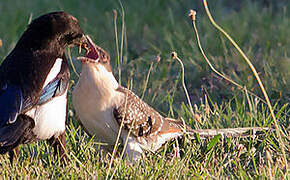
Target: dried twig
[[230, 132]]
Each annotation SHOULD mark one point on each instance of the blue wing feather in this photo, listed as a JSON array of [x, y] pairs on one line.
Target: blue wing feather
[[48, 91], [11, 101], [54, 88]]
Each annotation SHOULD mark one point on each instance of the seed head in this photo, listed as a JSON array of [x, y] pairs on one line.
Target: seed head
[[192, 14], [158, 58], [197, 118], [174, 55], [115, 13], [70, 113]]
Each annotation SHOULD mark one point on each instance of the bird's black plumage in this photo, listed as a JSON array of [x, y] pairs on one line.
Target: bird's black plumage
[[24, 71], [34, 54]]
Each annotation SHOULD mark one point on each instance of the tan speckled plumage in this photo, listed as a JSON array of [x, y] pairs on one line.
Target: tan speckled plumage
[[102, 104]]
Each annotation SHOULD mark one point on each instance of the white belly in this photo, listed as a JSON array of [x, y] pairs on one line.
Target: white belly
[[96, 121], [49, 118], [94, 98], [95, 111]]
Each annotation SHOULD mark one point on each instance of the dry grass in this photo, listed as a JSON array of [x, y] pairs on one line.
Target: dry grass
[[157, 28]]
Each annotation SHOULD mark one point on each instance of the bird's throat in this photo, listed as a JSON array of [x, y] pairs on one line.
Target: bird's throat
[[95, 78]]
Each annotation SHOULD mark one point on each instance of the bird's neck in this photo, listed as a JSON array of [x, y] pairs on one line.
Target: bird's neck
[[97, 78]]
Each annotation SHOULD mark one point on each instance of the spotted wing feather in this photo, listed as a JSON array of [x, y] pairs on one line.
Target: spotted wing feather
[[138, 115]]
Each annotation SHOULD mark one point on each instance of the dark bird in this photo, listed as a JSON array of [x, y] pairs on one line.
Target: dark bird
[[34, 80]]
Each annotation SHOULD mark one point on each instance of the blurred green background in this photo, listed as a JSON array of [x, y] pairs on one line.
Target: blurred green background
[[153, 27]]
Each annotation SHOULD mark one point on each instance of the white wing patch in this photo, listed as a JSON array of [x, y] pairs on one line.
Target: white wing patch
[[50, 117], [53, 71], [162, 139]]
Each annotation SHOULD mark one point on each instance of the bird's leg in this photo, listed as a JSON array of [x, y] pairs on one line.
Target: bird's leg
[[133, 150], [58, 144], [13, 153], [103, 153], [176, 150]]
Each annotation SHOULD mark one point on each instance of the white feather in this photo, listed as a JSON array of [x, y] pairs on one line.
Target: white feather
[[133, 149], [93, 98], [50, 117], [162, 139], [53, 71]]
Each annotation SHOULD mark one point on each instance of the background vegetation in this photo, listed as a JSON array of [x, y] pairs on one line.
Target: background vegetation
[[154, 28]]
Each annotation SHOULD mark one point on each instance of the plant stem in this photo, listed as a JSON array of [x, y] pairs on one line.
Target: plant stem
[[117, 45], [71, 62], [276, 125], [147, 79], [183, 85]]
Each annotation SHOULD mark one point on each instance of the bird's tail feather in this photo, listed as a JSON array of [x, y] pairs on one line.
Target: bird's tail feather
[[172, 126], [11, 135], [229, 132], [207, 133]]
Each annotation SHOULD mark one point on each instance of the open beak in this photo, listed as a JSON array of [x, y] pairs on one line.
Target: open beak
[[92, 54], [83, 44]]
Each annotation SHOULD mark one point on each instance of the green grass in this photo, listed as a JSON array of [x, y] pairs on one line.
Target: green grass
[[160, 27]]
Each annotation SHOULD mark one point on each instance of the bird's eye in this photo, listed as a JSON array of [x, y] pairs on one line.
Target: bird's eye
[[104, 58], [69, 37]]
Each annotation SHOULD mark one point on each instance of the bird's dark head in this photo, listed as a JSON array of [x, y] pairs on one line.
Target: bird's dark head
[[52, 30], [96, 56], [44, 41]]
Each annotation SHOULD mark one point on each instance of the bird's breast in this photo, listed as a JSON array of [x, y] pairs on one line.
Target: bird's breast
[[94, 106]]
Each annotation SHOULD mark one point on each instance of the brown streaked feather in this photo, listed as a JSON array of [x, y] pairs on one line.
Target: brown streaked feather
[[172, 126], [143, 119], [146, 120]]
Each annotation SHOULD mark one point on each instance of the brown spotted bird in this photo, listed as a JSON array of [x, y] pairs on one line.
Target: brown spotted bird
[[102, 104]]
